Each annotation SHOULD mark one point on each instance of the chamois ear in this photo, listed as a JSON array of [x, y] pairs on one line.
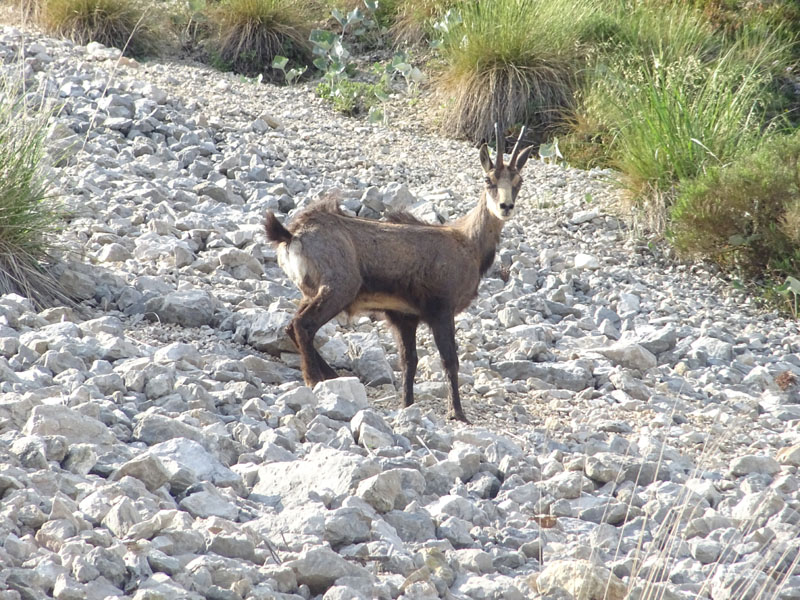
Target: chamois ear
[[486, 161], [523, 158]]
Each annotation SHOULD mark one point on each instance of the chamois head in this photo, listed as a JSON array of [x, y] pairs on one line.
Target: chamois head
[[503, 181]]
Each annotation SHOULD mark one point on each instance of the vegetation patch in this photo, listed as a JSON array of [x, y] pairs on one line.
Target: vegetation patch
[[251, 33], [745, 216], [511, 61], [129, 25], [668, 97], [27, 215]]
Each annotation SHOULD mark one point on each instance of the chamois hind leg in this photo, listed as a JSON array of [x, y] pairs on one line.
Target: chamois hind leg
[[314, 314], [444, 334], [405, 330], [324, 367]]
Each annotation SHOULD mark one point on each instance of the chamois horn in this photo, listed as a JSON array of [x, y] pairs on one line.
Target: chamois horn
[[500, 146], [514, 152]]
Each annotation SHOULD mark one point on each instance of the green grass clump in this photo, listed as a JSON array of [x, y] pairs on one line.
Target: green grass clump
[[27, 216], [745, 216], [250, 33], [668, 97], [512, 61], [124, 24]]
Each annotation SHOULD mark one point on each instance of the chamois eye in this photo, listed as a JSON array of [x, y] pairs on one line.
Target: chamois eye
[[490, 183]]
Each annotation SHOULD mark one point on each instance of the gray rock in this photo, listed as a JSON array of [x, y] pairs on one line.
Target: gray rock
[[752, 463], [415, 526], [190, 308], [74, 426], [153, 428], [146, 468], [232, 546], [580, 579], [179, 453], [319, 568], [347, 526], [570, 377], [209, 503], [322, 471], [341, 398], [381, 491], [630, 356]]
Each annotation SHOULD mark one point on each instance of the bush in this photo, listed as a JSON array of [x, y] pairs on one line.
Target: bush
[[512, 61], [123, 24], [252, 32], [745, 216], [668, 98], [27, 217]]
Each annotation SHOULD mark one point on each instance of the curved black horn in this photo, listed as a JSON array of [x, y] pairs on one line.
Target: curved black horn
[[500, 147], [514, 153]]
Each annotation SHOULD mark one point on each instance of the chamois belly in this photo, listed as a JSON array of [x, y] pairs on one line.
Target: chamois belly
[[379, 301]]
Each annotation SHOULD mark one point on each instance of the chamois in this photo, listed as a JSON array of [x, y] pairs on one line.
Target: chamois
[[407, 270]]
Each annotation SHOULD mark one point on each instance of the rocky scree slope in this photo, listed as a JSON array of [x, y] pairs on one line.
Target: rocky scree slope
[[636, 425]]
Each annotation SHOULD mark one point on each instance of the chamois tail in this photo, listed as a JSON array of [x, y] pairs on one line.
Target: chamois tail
[[276, 232]]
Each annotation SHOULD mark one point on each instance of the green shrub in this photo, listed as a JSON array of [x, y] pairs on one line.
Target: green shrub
[[27, 216], [251, 33], [745, 216], [512, 61], [674, 99], [124, 24]]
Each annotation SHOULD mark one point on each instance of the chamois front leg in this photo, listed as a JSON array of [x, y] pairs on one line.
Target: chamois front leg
[[444, 334], [405, 330]]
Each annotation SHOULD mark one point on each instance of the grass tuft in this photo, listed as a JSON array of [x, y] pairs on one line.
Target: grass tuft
[[252, 32], [125, 24], [27, 215], [512, 61]]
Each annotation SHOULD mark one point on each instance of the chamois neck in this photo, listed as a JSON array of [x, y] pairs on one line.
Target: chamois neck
[[483, 229]]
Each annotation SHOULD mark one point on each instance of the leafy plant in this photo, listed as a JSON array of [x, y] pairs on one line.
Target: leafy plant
[[790, 290], [358, 21], [347, 96], [356, 97], [279, 63], [401, 64]]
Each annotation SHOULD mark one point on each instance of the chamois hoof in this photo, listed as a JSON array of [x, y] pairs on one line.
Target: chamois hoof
[[459, 416]]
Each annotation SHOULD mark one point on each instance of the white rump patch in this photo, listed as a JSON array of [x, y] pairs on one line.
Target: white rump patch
[[292, 261]]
